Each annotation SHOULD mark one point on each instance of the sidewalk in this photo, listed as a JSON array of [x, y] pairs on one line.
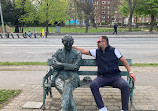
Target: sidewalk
[[30, 81], [145, 99], [138, 34]]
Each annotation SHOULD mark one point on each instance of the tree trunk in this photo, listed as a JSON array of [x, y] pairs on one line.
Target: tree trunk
[[152, 23], [93, 22], [80, 24], [131, 10], [110, 21], [75, 22], [69, 23], [130, 23], [16, 29], [47, 21], [46, 33], [47, 26], [87, 23], [122, 21], [136, 22]]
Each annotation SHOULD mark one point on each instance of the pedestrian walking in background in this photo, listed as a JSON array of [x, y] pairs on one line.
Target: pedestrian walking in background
[[115, 28]]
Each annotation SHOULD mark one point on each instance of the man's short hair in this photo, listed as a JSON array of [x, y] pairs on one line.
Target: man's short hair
[[105, 38]]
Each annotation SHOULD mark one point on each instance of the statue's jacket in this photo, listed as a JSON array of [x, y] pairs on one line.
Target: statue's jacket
[[66, 65]]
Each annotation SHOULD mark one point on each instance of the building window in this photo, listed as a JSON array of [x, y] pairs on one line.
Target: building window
[[108, 7], [103, 21], [147, 19], [139, 18], [143, 19], [103, 12], [108, 12], [103, 2], [103, 16], [103, 7], [108, 2], [108, 17]]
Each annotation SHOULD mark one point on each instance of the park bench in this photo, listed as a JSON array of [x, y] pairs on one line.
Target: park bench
[[47, 79]]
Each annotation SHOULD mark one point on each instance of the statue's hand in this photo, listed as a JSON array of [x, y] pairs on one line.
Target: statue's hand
[[58, 66]]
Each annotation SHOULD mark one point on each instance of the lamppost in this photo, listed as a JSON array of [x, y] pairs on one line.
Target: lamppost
[[2, 19]]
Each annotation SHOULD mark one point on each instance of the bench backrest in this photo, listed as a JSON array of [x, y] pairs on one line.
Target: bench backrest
[[92, 62]]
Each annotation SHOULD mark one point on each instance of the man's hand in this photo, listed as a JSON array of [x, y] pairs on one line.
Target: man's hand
[[132, 76]]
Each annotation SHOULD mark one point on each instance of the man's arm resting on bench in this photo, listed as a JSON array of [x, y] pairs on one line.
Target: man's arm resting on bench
[[83, 51], [124, 61]]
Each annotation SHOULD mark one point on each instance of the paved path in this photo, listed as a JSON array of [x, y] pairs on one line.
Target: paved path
[[30, 81], [145, 97], [20, 76]]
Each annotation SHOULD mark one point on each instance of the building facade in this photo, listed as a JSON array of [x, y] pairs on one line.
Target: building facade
[[106, 11]]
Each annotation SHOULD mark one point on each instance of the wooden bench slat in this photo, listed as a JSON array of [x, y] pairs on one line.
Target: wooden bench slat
[[123, 73], [90, 62]]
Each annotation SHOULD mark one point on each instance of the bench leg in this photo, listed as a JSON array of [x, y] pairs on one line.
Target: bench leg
[[131, 100], [44, 98], [50, 90], [44, 94]]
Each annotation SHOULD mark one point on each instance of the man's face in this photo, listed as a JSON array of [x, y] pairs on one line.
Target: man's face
[[68, 44], [101, 43]]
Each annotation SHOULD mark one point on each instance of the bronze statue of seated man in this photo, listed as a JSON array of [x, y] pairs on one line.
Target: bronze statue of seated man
[[66, 63]]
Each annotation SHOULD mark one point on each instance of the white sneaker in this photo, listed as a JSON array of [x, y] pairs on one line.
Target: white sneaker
[[103, 109]]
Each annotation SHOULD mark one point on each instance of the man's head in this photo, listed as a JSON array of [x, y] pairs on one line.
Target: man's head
[[67, 42], [102, 42]]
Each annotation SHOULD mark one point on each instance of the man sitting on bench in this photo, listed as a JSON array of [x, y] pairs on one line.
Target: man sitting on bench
[[108, 72]]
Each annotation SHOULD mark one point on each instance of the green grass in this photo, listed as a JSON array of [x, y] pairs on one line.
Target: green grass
[[6, 95], [22, 63], [44, 63], [82, 30], [145, 64], [65, 29]]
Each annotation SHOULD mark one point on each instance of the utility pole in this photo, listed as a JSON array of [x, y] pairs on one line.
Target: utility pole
[[2, 19]]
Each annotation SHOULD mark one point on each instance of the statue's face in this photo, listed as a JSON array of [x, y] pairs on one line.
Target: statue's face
[[68, 44]]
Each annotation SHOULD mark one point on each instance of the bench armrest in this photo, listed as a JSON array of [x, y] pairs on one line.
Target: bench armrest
[[131, 83], [48, 75]]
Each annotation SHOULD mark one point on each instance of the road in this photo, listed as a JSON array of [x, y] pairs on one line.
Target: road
[[140, 50]]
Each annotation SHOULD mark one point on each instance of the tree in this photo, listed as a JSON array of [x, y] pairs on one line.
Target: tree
[[113, 7], [11, 14], [130, 6], [124, 12], [43, 11], [74, 12], [71, 10], [87, 7], [148, 8]]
